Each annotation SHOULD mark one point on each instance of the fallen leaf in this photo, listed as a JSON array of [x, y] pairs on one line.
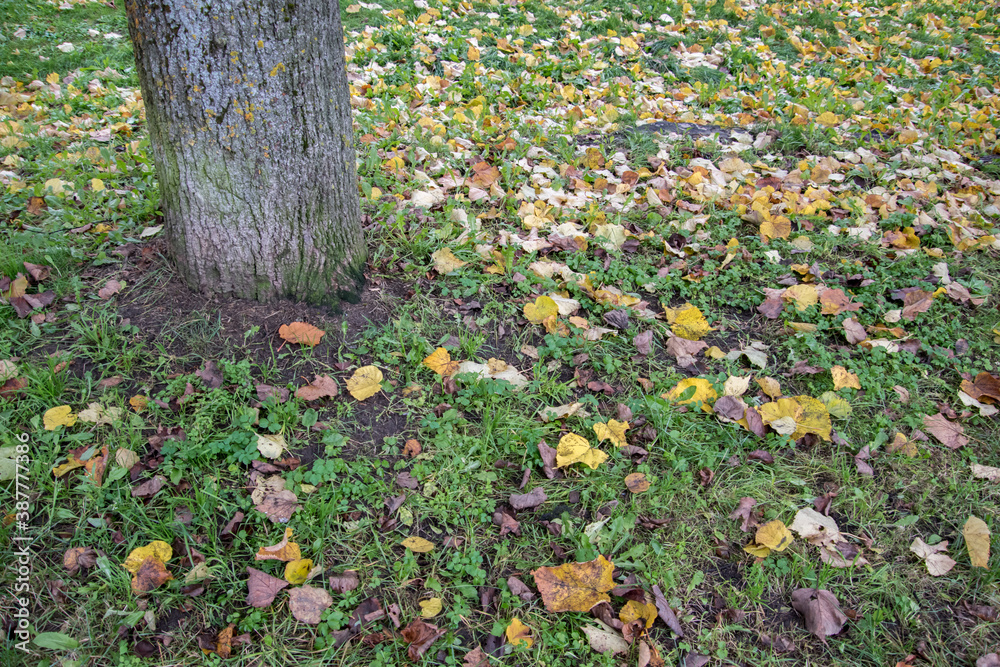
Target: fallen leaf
[[476, 658], [445, 261], [530, 500], [322, 386], [702, 393], [774, 535], [271, 445], [297, 571], [279, 505], [110, 288], [285, 550], [977, 541], [744, 512], [62, 415], [637, 483], [440, 362], [152, 574], [938, 563], [854, 331], [573, 448], [541, 310], [345, 583], [687, 322], [604, 639], [665, 612], [844, 378], [575, 586], [150, 487], [262, 588], [644, 342], [420, 636], [613, 430], [519, 633], [816, 529], [821, 611], [431, 607], [948, 433], [986, 472], [307, 604], [417, 544], [365, 383], [156, 549]]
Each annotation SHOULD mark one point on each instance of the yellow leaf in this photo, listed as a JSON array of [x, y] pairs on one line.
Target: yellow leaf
[[908, 136], [543, 308], [156, 549], [394, 164], [365, 383], [835, 405], [445, 261], [977, 541], [472, 53], [575, 586], [774, 535], [757, 550], [770, 386], [779, 228], [593, 159], [614, 431], [96, 184], [703, 393], [52, 78], [138, 402], [844, 378], [803, 296], [296, 571], [284, 550], [417, 544], [430, 608], [62, 415], [637, 483], [353, 9], [440, 362], [635, 611], [575, 449], [687, 322], [808, 414], [519, 633], [828, 118]]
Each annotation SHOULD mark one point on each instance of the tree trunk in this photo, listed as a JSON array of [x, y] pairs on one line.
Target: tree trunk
[[249, 117]]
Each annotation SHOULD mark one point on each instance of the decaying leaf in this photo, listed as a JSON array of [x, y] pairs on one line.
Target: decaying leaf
[[938, 563], [285, 550], [575, 586], [279, 505], [844, 378], [156, 549], [636, 482], [152, 574], [821, 611], [948, 433], [417, 544], [519, 633], [440, 362], [262, 588], [307, 604], [687, 322], [613, 430], [445, 261], [541, 310], [323, 386], [604, 639], [297, 571], [774, 535], [700, 390]]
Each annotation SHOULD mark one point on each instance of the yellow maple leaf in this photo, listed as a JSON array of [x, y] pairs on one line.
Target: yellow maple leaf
[[704, 393], [472, 53], [575, 449], [61, 415], [687, 322], [828, 118], [807, 413], [445, 261], [575, 586], [614, 431], [542, 308], [296, 571], [635, 611], [440, 362], [844, 378], [365, 383], [802, 295], [779, 228], [155, 549]]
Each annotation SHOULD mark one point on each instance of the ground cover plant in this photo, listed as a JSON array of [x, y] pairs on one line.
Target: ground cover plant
[[679, 346]]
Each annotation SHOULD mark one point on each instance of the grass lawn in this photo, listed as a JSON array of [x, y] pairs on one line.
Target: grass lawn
[[680, 340]]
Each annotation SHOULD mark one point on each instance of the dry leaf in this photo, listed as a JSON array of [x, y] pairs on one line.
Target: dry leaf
[[575, 586], [431, 607], [950, 434], [637, 483], [157, 549], [278, 505], [152, 573], [307, 604], [440, 362], [614, 431], [774, 535], [58, 416], [519, 633], [937, 562], [262, 588], [703, 393], [420, 636], [323, 386], [301, 332], [297, 571], [603, 639], [445, 261], [844, 378], [285, 550], [575, 449], [821, 611], [541, 310], [687, 322], [417, 544]]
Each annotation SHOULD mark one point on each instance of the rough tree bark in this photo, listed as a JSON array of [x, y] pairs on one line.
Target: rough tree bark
[[249, 116]]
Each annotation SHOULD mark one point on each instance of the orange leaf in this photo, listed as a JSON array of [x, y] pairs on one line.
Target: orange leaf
[[300, 332]]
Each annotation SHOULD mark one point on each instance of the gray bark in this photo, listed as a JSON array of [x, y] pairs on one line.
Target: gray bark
[[249, 117]]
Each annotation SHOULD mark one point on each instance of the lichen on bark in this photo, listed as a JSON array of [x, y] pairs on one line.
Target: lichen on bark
[[247, 104]]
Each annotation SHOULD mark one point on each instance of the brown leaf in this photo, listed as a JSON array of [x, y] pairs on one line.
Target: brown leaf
[[262, 587], [744, 511], [821, 611], [79, 557], [985, 388], [520, 589], [696, 660], [110, 288], [223, 643], [861, 461], [575, 586], [366, 613], [854, 331], [917, 301], [149, 488], [211, 375], [407, 481], [323, 386], [279, 506], [666, 614], [644, 342], [420, 636], [684, 350], [411, 448], [636, 482], [266, 391], [227, 530], [301, 332], [528, 500], [307, 603], [771, 308], [344, 583], [151, 574], [950, 434], [730, 407], [548, 455], [476, 658], [761, 455]]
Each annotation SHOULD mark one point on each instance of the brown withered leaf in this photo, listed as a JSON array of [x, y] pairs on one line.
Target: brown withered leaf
[[948, 433], [916, 301], [985, 388], [279, 506], [323, 386], [210, 374], [345, 582], [744, 512], [262, 587], [307, 603], [285, 550], [854, 331], [821, 611], [665, 612], [530, 500], [420, 636], [636, 483], [149, 488], [78, 558], [520, 589], [476, 658], [152, 573]]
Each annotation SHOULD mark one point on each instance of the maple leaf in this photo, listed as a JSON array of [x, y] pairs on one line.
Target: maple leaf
[[613, 430], [573, 448], [575, 586], [301, 332]]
